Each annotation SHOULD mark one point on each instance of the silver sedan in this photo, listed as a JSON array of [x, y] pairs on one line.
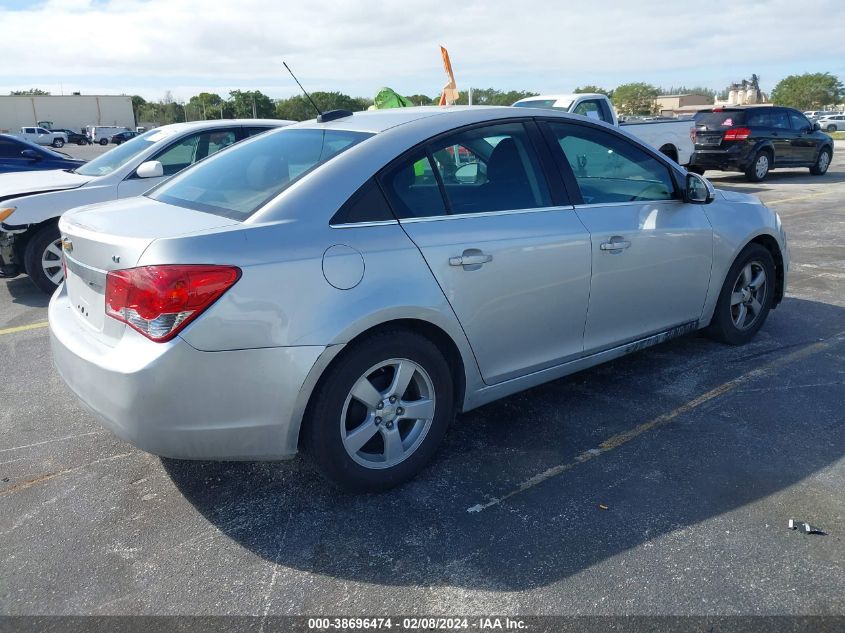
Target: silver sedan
[[345, 286]]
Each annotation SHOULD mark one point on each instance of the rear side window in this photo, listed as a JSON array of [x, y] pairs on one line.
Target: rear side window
[[490, 168], [10, 148], [368, 204], [720, 120], [412, 188]]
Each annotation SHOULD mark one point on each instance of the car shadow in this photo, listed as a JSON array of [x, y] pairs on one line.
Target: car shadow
[[26, 293], [738, 448], [779, 177]]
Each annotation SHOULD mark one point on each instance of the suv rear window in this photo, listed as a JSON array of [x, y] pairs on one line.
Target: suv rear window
[[719, 120]]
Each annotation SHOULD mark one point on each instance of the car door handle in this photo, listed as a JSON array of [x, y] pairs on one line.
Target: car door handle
[[471, 257], [615, 244]]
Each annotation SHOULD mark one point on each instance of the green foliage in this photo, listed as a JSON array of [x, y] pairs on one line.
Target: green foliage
[[636, 98], [491, 96], [208, 105], [247, 104], [298, 108], [594, 89], [810, 91], [30, 91], [684, 90], [422, 100]]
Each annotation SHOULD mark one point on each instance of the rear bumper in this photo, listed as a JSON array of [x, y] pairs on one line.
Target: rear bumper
[[173, 400], [726, 160]]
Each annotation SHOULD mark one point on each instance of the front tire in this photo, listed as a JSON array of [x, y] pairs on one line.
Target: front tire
[[746, 297], [82, 141], [43, 259], [57, 143], [822, 163], [380, 411], [759, 167]]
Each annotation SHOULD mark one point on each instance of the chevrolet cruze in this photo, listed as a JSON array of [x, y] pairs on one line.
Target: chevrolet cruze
[[345, 286]]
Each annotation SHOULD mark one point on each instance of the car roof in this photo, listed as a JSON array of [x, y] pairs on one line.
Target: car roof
[[204, 125]]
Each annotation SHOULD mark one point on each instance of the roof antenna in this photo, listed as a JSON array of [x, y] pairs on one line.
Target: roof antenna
[[322, 117]]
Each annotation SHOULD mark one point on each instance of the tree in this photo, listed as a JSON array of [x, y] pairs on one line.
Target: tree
[[30, 91], [247, 104], [298, 108], [595, 89], [635, 98], [492, 96], [684, 90], [810, 91], [208, 105], [421, 100]]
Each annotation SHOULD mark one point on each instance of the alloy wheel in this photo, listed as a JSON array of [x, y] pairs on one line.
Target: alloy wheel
[[748, 295], [387, 413], [51, 262], [761, 168], [824, 162]]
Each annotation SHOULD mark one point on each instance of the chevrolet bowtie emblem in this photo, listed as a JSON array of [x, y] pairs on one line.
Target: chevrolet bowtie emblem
[[67, 245]]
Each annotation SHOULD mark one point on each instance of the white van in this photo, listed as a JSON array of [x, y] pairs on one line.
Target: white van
[[102, 133]]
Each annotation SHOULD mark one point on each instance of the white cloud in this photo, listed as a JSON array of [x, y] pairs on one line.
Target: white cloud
[[187, 45]]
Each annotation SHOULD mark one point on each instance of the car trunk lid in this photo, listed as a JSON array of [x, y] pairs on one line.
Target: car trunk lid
[[113, 236]]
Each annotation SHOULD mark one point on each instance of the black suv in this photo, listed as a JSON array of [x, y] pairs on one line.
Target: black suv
[[756, 139]]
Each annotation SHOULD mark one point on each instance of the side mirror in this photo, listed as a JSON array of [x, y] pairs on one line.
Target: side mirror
[[467, 174], [817, 126], [150, 169], [31, 154], [699, 190]]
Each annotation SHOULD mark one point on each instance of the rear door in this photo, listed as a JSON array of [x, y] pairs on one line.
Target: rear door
[[651, 252], [787, 151], [178, 155], [510, 255]]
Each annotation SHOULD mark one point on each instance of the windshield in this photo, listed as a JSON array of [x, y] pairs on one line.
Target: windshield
[[549, 104], [122, 154], [238, 182], [719, 120]]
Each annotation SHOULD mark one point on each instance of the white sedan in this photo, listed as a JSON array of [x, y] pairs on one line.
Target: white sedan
[[31, 202]]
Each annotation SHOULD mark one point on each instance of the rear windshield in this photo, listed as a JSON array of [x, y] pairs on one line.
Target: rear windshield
[[549, 104], [238, 182], [719, 120]]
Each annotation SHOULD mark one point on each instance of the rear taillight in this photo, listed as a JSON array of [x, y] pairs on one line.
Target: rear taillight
[[737, 134], [159, 301]]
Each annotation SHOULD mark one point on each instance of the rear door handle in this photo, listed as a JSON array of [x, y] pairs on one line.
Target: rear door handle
[[615, 244], [471, 257]]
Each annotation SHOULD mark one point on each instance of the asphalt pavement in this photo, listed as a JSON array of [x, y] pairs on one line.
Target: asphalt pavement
[[657, 484]]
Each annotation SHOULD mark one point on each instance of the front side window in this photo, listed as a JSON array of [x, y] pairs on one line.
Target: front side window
[[10, 148], [237, 183], [193, 148], [590, 109], [799, 122], [609, 168]]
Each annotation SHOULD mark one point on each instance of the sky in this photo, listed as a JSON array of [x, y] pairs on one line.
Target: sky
[[148, 47]]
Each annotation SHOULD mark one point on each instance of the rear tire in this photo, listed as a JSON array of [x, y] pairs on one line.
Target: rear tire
[[104, 141], [759, 167], [81, 141], [822, 163], [831, 128], [746, 297], [393, 448], [43, 259]]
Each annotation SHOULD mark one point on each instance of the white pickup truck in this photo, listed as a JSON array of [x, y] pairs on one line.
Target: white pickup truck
[[42, 136], [673, 137]]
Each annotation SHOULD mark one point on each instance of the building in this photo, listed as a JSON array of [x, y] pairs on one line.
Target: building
[[72, 112], [678, 105]]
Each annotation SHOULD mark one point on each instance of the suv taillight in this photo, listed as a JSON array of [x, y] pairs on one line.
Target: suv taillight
[[737, 134], [159, 301]]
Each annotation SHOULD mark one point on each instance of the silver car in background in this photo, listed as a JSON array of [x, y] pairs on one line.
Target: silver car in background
[[346, 286]]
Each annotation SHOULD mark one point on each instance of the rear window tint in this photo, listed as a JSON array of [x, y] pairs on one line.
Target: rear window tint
[[368, 204], [720, 120]]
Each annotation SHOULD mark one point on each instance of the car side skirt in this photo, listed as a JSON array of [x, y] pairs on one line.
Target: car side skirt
[[489, 394]]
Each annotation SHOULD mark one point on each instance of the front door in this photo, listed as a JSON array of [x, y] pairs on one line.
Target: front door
[[514, 267], [651, 252]]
